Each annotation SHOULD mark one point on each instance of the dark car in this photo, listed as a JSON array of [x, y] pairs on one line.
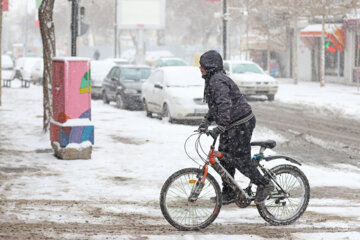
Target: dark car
[[123, 85]]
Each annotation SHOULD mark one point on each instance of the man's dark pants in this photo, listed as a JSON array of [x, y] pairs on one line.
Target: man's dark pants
[[235, 143]]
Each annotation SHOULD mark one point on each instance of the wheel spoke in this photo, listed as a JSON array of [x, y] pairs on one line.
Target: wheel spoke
[[284, 210], [184, 212]]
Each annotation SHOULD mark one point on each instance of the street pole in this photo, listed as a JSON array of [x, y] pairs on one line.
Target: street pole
[[1, 14], [115, 31], [322, 54], [225, 18], [74, 26], [247, 30]]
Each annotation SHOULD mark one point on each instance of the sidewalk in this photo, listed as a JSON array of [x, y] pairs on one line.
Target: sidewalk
[[115, 195], [332, 98]]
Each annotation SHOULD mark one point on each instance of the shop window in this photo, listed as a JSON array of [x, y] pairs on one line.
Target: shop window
[[334, 60]]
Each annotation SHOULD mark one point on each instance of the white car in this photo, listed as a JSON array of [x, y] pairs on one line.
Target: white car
[[99, 70], [37, 72], [175, 93], [7, 70], [251, 79], [169, 61], [24, 67], [118, 61]]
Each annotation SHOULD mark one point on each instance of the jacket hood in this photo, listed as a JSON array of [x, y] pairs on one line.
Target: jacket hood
[[212, 62]]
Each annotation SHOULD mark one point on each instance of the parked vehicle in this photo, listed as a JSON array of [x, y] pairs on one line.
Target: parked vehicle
[[99, 70], [118, 61], [24, 66], [7, 70], [175, 93], [169, 61], [152, 56], [37, 72], [123, 85], [251, 79]]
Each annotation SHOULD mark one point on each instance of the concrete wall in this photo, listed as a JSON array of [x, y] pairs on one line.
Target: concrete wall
[[304, 61], [349, 56]]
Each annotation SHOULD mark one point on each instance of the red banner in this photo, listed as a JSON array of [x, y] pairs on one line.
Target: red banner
[[5, 5]]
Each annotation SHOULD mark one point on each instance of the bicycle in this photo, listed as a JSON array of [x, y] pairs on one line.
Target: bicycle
[[191, 199]]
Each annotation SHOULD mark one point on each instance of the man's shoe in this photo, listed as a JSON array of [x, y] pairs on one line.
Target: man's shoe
[[263, 191], [227, 198]]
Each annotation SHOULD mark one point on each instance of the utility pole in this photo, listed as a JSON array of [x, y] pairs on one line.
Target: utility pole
[[74, 26], [225, 19], [115, 31], [1, 13]]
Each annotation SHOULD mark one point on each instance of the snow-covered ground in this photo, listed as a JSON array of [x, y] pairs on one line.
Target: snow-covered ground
[[134, 155], [333, 98]]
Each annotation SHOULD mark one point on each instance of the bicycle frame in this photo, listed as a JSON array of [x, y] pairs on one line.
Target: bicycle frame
[[215, 164]]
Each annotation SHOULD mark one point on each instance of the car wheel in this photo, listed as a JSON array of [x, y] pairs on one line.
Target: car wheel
[[271, 97], [120, 102], [104, 97], [148, 113], [166, 114]]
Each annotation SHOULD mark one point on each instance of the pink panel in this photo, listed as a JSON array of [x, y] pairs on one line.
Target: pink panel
[[78, 92]]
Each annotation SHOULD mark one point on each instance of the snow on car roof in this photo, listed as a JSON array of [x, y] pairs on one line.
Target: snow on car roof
[[183, 75]]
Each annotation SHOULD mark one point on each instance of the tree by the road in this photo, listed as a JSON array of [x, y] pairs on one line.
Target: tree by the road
[[47, 30]]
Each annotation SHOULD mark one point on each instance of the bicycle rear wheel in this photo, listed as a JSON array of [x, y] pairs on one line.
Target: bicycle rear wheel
[[286, 210], [182, 213]]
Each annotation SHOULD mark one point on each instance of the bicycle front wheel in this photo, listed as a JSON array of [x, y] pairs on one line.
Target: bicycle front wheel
[[188, 215], [285, 210]]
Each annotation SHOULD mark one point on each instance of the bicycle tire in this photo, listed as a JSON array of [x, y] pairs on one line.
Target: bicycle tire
[[298, 175], [210, 192]]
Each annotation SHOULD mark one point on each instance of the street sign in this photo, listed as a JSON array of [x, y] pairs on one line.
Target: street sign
[[141, 14]]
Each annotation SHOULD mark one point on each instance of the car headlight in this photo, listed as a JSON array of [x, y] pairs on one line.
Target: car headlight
[[130, 91]]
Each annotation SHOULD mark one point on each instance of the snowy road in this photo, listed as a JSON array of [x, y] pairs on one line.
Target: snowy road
[[312, 136], [115, 195]]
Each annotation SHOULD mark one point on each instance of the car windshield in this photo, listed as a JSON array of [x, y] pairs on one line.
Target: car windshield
[[174, 62], [245, 68], [185, 79], [135, 74]]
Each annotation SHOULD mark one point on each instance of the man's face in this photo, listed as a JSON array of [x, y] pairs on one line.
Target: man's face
[[203, 72]]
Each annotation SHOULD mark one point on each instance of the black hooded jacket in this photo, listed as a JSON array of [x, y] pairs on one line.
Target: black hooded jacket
[[226, 103]]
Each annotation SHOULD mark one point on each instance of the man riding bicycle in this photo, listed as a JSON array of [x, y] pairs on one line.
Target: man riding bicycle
[[235, 121]]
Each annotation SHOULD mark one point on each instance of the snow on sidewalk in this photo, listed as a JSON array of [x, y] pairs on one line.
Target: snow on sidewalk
[[132, 157], [332, 98]]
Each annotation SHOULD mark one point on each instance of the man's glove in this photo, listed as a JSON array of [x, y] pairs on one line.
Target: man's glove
[[204, 125], [215, 132]]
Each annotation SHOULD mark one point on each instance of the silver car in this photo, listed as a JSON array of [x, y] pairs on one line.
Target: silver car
[[251, 79]]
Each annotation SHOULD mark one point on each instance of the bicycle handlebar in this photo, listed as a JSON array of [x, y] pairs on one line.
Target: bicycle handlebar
[[207, 134]]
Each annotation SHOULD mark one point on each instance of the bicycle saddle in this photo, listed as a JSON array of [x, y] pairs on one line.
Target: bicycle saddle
[[267, 144]]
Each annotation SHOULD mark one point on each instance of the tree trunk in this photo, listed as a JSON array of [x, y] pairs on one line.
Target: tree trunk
[[1, 7], [47, 30]]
